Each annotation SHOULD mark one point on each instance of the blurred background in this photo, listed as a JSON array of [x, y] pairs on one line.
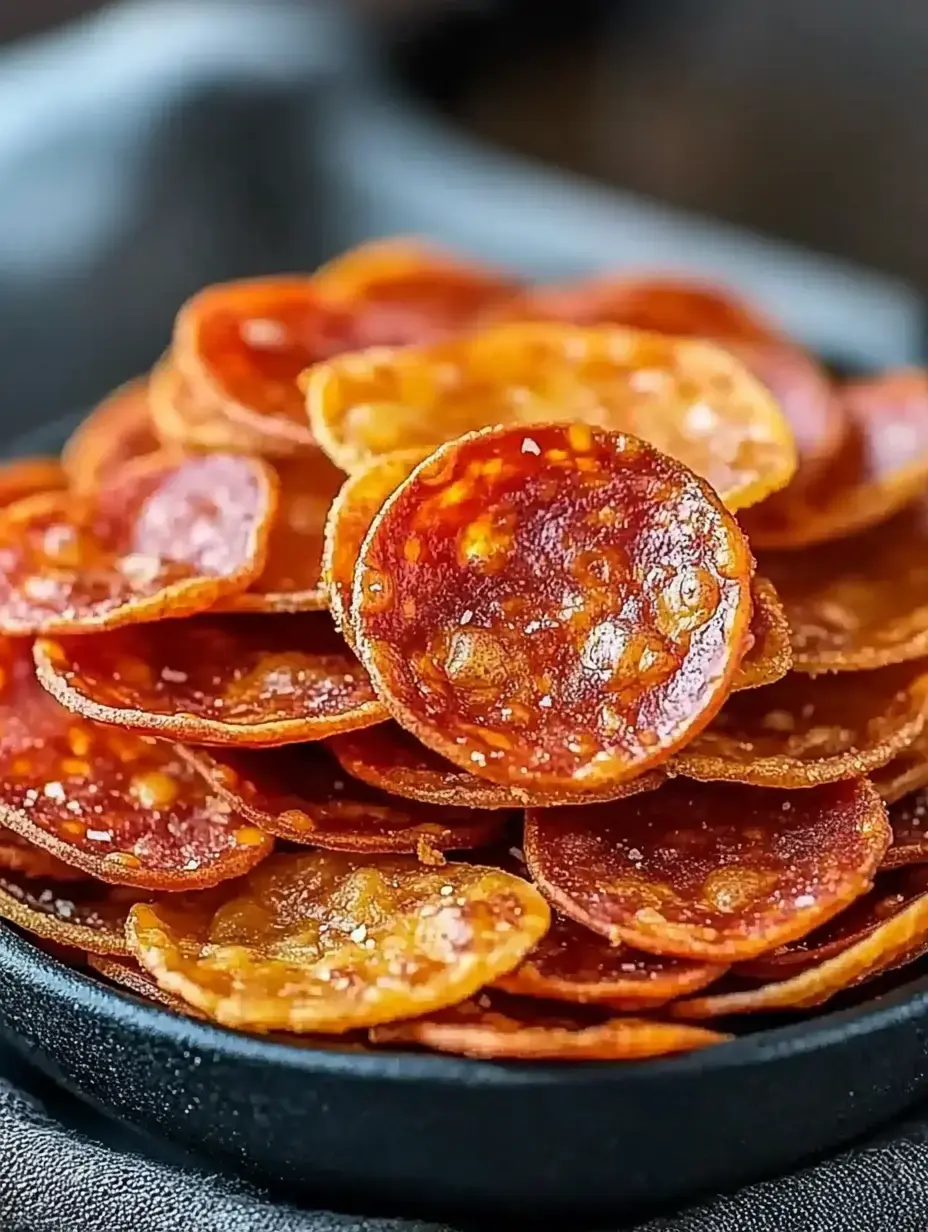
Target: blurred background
[[150, 146]]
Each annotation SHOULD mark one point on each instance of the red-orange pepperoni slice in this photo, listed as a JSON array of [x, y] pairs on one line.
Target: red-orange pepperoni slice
[[769, 656], [390, 758], [909, 820], [805, 730], [501, 1027], [18, 856], [301, 793], [248, 680], [882, 467], [907, 772], [714, 872], [292, 577], [84, 914], [859, 603], [107, 802], [29, 477], [553, 607], [163, 538], [115, 432], [892, 891]]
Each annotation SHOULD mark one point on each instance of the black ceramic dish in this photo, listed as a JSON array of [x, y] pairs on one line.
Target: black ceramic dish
[[445, 1136]]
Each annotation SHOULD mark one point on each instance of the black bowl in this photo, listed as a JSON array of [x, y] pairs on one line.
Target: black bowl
[[445, 1136]]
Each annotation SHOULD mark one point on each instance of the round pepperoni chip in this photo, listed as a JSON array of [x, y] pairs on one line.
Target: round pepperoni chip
[[909, 820], [126, 973], [29, 477], [84, 914], [401, 291], [164, 538], [719, 873], [248, 680], [301, 793], [907, 772], [692, 309], [769, 656], [18, 856], [554, 607], [894, 943], [511, 1028], [325, 941], [860, 603], [688, 398], [892, 892], [390, 758], [107, 802], [882, 467], [292, 577], [805, 730], [182, 419], [361, 498], [117, 431]]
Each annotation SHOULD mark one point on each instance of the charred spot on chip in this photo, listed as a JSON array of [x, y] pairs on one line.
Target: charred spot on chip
[[163, 538], [859, 603], [291, 580], [494, 1025], [117, 431], [237, 679], [301, 793], [717, 872], [688, 398], [804, 730], [520, 671], [325, 941], [107, 802]]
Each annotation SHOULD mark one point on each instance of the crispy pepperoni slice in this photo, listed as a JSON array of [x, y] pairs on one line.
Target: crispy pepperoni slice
[[894, 943], [909, 820], [860, 603], [390, 758], [686, 397], [249, 680], [360, 499], [718, 872], [105, 801], [292, 577], [693, 309], [571, 963], [115, 432], [401, 291], [164, 538], [127, 974], [907, 772], [882, 467], [805, 730], [84, 914], [517, 1029], [182, 419], [29, 477], [326, 941], [301, 793], [553, 607], [892, 891], [19, 856], [769, 656]]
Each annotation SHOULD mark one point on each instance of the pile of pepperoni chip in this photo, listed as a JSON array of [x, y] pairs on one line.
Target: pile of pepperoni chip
[[420, 659]]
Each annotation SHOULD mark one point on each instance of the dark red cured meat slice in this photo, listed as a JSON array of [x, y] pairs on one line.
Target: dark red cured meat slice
[[164, 538], [85, 915], [107, 802], [301, 793], [292, 577], [390, 758], [115, 432], [553, 607], [248, 680], [496, 1025], [892, 891], [909, 820], [717, 872]]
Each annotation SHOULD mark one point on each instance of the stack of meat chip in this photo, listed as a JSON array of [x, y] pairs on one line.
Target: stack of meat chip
[[424, 660]]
